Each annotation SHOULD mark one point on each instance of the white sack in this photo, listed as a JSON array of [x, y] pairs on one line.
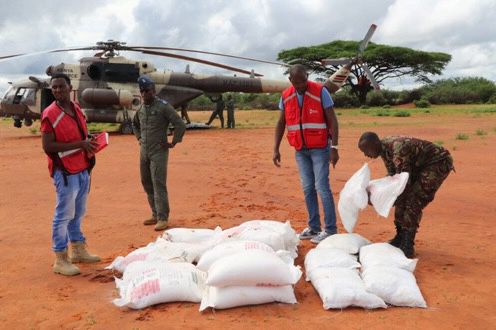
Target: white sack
[[351, 243], [395, 286], [252, 268], [383, 192], [343, 287], [190, 235], [328, 258], [234, 296], [354, 197], [146, 283], [384, 254], [159, 251], [278, 235], [228, 248]]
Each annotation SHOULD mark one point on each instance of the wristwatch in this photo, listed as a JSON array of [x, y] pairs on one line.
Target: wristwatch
[[334, 147]]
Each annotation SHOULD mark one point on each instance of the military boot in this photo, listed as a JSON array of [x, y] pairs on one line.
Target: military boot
[[161, 225], [63, 266], [396, 241], [80, 254], [151, 221], [408, 242]]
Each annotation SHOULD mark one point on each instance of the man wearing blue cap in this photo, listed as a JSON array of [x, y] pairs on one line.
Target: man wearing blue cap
[[150, 125]]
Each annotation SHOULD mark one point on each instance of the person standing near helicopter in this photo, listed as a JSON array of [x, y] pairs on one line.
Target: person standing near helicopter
[[150, 126], [70, 154]]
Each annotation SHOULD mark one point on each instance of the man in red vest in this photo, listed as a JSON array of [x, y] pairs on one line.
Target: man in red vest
[[65, 140], [308, 114]]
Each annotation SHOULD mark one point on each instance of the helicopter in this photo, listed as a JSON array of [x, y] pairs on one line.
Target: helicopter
[[105, 84]]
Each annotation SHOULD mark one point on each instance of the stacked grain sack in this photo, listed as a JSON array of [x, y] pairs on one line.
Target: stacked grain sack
[[333, 269], [236, 260], [389, 274], [146, 283], [245, 269], [162, 271]]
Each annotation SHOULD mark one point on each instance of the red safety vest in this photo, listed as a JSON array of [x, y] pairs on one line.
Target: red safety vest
[[67, 129], [306, 126]]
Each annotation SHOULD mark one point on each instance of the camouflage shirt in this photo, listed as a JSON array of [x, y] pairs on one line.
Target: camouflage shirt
[[407, 154]]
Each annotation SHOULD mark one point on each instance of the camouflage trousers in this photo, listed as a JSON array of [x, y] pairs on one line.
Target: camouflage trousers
[[419, 193], [153, 170]]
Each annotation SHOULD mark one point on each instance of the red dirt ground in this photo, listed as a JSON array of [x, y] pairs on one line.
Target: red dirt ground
[[225, 177]]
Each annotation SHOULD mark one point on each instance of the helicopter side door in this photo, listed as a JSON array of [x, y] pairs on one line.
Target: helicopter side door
[[46, 98]]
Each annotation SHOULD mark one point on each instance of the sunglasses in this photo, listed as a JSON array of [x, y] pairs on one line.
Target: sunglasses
[[145, 90]]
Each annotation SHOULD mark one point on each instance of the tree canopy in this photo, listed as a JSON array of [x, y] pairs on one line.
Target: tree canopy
[[384, 62]]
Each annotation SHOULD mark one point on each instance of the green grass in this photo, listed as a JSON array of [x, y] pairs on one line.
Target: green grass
[[402, 114], [99, 127], [480, 132], [461, 136], [439, 142]]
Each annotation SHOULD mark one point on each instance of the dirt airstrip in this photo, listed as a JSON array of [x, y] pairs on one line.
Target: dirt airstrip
[[225, 177]]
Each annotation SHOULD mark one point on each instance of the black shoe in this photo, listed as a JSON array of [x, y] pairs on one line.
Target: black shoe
[[396, 241]]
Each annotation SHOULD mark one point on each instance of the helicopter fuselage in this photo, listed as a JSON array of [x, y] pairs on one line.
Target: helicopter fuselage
[[108, 92]]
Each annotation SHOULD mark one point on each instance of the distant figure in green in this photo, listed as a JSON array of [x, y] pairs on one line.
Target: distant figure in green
[[428, 166], [219, 110], [230, 112]]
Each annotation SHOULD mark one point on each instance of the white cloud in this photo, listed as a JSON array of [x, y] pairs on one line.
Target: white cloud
[[256, 28]]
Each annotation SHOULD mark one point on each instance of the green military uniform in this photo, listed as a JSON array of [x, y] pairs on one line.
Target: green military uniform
[[428, 166], [219, 111], [150, 125], [230, 113]]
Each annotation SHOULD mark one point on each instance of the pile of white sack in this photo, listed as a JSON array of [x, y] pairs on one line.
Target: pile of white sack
[[383, 276], [231, 267], [354, 196]]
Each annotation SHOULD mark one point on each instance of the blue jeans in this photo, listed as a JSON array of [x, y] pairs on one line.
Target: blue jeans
[[313, 165], [69, 209]]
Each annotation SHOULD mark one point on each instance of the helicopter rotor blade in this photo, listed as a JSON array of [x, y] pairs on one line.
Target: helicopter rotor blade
[[337, 61], [371, 77], [364, 43], [188, 58], [208, 53], [44, 52]]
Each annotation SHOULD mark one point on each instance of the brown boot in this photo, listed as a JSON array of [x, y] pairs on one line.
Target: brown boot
[[63, 266], [151, 221], [80, 254], [161, 225]]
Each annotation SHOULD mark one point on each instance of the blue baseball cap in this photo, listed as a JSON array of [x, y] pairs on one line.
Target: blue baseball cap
[[145, 82]]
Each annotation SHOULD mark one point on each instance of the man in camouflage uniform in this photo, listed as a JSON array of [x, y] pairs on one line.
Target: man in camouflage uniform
[[150, 126], [219, 110], [230, 112], [428, 166]]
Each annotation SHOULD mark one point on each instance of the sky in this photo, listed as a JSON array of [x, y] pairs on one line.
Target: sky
[[252, 28]]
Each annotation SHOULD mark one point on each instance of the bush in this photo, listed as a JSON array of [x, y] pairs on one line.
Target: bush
[[345, 100], [402, 114], [375, 99], [422, 103], [461, 136], [465, 90], [386, 106], [382, 113]]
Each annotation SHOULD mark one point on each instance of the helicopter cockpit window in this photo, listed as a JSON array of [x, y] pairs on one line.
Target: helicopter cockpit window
[[25, 96], [9, 93]]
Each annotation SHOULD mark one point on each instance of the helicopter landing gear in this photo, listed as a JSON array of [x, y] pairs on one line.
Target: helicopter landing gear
[[126, 127], [17, 122], [28, 122]]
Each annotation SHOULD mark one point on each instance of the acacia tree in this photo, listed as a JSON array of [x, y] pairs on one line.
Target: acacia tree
[[383, 61]]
